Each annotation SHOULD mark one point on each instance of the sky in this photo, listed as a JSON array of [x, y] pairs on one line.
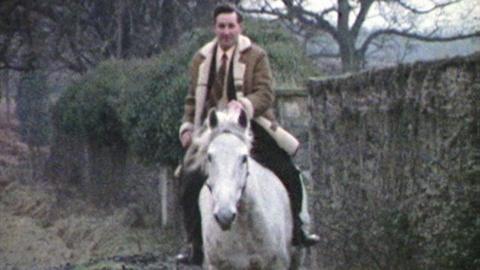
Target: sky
[[464, 15], [460, 17]]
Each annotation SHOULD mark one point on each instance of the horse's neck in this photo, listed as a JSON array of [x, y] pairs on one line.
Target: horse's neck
[[260, 190]]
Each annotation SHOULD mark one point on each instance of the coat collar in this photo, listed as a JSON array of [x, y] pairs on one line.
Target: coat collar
[[239, 68], [243, 44]]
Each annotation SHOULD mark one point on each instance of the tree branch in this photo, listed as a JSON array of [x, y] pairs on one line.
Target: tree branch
[[416, 36], [364, 8], [327, 11], [426, 11], [296, 14]]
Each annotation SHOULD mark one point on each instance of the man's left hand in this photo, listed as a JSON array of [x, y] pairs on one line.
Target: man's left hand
[[235, 105]]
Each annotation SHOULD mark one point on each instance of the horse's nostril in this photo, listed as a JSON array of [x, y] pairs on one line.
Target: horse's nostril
[[225, 219]]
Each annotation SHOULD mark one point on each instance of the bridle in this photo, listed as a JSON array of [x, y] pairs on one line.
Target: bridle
[[223, 131]]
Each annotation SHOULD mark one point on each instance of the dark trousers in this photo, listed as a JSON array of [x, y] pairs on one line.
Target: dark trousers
[[265, 151]]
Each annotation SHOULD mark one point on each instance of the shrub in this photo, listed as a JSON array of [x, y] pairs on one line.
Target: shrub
[[152, 111], [88, 108]]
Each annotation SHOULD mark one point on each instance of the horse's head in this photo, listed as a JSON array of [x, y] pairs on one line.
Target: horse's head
[[227, 162]]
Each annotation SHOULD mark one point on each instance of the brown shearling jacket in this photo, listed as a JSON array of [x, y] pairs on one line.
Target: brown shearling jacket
[[252, 80]]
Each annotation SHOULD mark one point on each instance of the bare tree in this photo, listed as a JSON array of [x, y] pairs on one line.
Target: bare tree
[[17, 38], [78, 34], [345, 23]]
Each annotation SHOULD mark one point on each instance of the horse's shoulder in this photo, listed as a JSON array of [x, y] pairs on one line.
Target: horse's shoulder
[[266, 178], [261, 170]]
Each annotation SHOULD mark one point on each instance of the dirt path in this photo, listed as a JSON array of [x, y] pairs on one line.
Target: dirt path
[[39, 231]]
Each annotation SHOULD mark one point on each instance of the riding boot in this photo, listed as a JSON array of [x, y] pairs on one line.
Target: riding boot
[[193, 182], [301, 219]]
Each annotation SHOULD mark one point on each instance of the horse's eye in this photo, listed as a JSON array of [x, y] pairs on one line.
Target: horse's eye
[[209, 157], [244, 159]]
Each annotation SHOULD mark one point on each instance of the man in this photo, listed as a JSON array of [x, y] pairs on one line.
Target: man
[[233, 72]]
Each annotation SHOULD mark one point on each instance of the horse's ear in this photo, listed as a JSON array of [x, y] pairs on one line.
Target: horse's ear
[[212, 119], [243, 119]]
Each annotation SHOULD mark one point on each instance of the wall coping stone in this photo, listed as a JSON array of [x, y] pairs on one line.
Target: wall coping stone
[[291, 92], [314, 84]]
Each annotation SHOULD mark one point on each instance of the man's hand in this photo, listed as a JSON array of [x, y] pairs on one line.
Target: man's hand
[[235, 105], [186, 139]]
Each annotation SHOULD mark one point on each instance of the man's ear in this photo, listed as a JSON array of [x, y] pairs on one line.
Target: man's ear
[[212, 119]]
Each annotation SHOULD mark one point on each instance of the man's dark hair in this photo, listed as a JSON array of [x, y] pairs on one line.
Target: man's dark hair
[[226, 8]]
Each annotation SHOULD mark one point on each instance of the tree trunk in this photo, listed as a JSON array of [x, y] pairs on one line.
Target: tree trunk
[[346, 39], [5, 93], [351, 60], [123, 38], [168, 22]]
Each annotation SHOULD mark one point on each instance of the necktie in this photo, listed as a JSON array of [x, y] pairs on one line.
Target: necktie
[[222, 70]]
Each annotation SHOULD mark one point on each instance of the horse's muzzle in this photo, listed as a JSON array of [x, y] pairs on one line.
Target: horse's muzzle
[[225, 219]]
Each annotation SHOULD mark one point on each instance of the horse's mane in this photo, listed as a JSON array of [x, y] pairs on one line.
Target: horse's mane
[[227, 123]]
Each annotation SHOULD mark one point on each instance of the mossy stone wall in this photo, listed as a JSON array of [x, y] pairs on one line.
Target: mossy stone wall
[[392, 154]]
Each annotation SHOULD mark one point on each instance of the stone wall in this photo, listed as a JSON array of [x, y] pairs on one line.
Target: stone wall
[[292, 113], [392, 153]]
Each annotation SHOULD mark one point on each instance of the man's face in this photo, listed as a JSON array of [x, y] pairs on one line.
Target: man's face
[[227, 29]]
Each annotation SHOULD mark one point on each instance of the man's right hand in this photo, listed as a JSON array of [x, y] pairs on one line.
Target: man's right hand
[[186, 139]]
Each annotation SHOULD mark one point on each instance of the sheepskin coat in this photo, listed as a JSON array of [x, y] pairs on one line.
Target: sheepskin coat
[[251, 77]]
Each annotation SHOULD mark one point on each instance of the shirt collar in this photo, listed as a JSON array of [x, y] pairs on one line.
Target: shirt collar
[[229, 53]]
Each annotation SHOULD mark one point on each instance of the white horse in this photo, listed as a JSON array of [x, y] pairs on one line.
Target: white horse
[[245, 209]]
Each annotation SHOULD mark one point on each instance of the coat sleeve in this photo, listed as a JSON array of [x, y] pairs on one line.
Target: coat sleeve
[[189, 103], [260, 97]]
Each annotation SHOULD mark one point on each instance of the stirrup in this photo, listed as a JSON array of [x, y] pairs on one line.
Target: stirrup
[[304, 239], [309, 240], [190, 257]]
